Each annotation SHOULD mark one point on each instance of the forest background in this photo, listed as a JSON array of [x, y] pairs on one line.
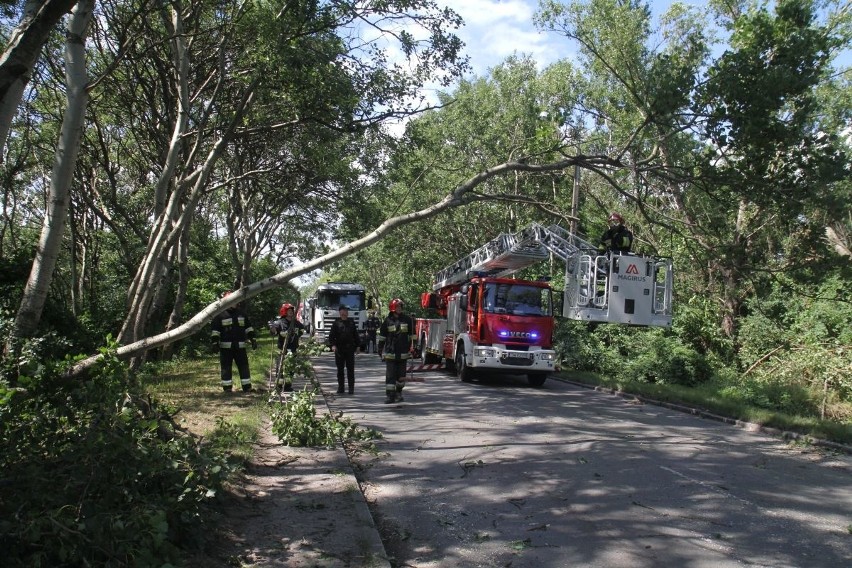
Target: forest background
[[158, 153]]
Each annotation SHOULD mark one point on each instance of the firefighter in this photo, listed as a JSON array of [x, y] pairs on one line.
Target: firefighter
[[617, 238], [289, 331], [372, 326], [231, 331], [344, 340], [395, 341]]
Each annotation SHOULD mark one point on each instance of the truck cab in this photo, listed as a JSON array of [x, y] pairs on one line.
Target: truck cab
[[492, 325], [324, 304]]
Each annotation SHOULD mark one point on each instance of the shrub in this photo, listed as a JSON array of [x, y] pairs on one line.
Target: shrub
[[797, 351], [295, 423], [630, 354], [295, 420], [95, 472], [664, 360]]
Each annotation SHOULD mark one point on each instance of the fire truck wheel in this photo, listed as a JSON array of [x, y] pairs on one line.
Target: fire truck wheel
[[536, 379], [464, 372]]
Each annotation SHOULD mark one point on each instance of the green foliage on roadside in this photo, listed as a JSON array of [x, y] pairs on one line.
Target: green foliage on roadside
[[298, 364], [96, 472], [634, 354], [796, 350], [295, 422]]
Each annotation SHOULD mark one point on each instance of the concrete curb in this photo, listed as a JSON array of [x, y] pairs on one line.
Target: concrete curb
[[367, 525]]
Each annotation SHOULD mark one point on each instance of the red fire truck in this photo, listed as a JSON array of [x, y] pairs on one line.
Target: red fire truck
[[487, 322]]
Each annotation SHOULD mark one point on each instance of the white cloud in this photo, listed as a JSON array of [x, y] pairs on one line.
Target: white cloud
[[495, 30], [478, 13]]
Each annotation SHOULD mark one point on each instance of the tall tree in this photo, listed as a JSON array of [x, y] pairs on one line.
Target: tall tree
[[37, 286], [729, 153], [256, 80]]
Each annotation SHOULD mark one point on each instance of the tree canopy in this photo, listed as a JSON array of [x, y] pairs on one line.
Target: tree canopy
[[241, 147]]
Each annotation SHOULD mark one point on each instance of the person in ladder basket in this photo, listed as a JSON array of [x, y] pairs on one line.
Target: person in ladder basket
[[617, 238], [231, 330], [395, 341], [289, 332], [344, 340]]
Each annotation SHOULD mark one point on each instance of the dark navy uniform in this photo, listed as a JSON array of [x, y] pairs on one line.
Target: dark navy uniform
[[231, 331], [395, 338]]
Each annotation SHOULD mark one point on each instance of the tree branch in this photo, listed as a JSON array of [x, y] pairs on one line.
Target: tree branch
[[459, 196]]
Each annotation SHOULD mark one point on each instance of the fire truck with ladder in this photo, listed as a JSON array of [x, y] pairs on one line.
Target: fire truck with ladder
[[489, 322]]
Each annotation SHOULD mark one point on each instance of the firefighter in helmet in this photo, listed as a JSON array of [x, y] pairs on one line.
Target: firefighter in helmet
[[289, 330], [231, 332], [395, 342], [617, 238]]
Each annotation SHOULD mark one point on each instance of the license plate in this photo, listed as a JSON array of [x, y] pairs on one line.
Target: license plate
[[512, 355]]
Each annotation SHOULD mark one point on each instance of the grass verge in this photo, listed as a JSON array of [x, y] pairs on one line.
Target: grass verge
[[229, 420]]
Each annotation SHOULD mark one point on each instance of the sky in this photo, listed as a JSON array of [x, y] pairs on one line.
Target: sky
[[495, 29]]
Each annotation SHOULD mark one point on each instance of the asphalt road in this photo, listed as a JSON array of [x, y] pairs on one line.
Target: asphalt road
[[498, 474]]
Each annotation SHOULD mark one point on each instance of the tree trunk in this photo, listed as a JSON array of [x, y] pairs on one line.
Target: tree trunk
[[181, 204], [166, 211], [53, 229], [180, 297]]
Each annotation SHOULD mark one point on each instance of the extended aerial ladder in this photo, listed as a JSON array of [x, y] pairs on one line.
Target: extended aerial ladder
[[503, 255], [618, 288]]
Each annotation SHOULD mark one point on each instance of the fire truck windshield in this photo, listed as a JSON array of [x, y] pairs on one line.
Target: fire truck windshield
[[333, 299], [517, 299]]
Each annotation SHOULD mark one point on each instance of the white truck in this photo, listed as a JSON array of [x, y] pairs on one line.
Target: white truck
[[322, 308]]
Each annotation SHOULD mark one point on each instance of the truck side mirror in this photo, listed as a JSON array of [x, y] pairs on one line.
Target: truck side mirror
[[463, 303]]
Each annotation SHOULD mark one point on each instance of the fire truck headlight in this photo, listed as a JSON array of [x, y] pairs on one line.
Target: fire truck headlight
[[483, 352], [547, 356]]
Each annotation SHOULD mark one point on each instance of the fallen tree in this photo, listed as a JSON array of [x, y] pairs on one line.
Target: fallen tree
[[460, 195]]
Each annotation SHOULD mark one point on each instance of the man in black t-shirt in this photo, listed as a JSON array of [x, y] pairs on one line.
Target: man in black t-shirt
[[344, 341]]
